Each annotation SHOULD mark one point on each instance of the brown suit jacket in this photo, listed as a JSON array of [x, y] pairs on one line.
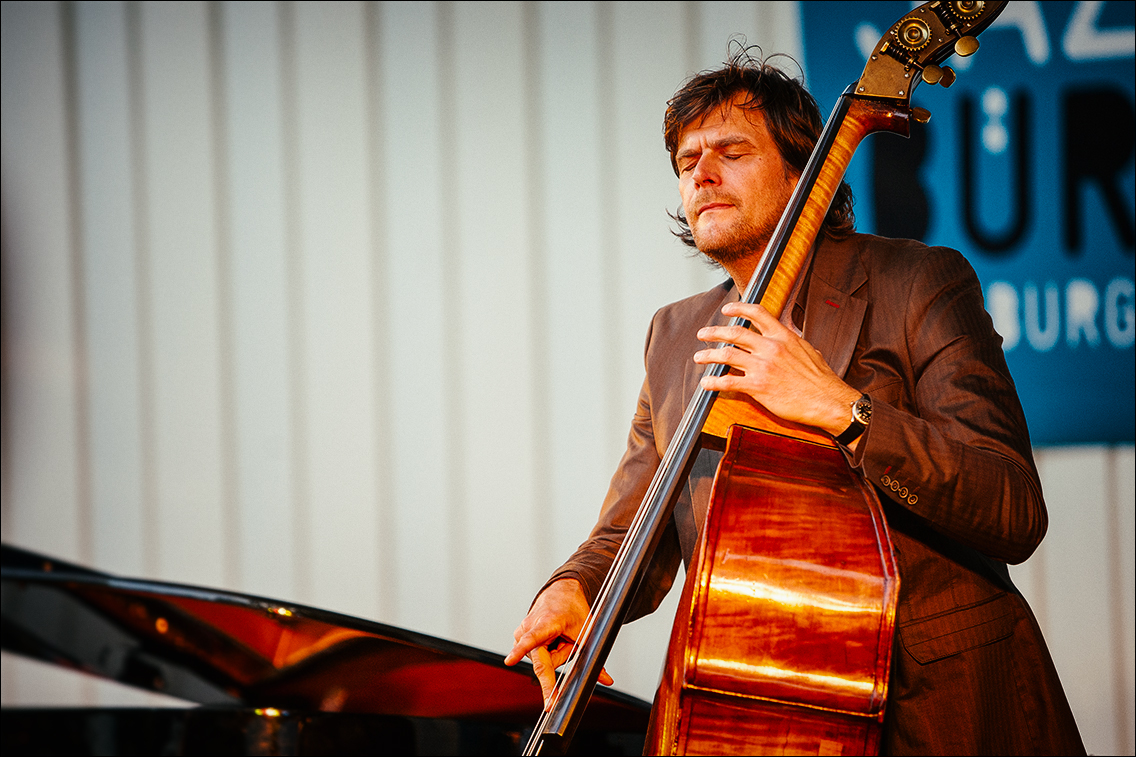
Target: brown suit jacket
[[949, 453]]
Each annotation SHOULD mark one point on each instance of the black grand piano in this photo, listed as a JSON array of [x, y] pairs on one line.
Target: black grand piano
[[267, 677]]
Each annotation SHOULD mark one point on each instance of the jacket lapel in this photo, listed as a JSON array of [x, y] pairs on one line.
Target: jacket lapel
[[692, 372], [833, 316]]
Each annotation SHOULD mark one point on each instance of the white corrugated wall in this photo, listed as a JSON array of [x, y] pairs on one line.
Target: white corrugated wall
[[344, 304]]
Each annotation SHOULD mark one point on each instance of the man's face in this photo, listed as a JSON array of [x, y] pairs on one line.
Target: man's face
[[733, 181]]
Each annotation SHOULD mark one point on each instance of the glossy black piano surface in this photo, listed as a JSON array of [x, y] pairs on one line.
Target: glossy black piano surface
[[270, 677]]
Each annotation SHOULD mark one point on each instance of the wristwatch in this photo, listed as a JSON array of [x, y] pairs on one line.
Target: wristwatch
[[861, 414]]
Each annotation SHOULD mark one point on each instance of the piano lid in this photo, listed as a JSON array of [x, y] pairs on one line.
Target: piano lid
[[221, 648]]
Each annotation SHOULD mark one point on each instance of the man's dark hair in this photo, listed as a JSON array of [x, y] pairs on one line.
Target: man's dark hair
[[791, 115]]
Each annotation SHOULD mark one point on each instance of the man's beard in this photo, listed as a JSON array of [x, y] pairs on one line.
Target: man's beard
[[749, 237], [736, 243]]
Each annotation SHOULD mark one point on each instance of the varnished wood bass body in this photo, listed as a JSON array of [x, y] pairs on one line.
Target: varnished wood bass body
[[782, 641]]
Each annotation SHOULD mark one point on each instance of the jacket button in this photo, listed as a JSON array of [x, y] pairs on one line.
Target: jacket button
[[903, 492], [912, 499], [894, 485], [885, 480]]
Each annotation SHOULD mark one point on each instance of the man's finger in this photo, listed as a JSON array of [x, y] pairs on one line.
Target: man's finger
[[545, 673], [758, 315], [727, 383], [734, 335], [723, 355], [525, 643]]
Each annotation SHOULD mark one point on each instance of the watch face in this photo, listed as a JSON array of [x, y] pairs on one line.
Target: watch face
[[862, 410]]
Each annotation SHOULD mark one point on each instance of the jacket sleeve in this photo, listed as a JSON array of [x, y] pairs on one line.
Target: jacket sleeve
[[955, 451]]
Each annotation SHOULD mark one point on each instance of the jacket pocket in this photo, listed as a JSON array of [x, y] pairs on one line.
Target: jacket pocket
[[975, 625]]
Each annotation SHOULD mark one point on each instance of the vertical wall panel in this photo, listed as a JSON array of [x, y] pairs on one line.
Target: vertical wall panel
[[779, 31], [1089, 492], [1029, 577], [184, 292], [335, 265], [413, 159], [120, 519], [110, 286], [721, 23], [299, 470], [772, 27], [1123, 595], [614, 409], [1076, 568], [578, 312], [259, 289], [41, 491], [653, 267], [494, 323], [386, 551]]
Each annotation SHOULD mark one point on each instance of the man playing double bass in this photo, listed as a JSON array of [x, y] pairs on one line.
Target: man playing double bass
[[886, 346]]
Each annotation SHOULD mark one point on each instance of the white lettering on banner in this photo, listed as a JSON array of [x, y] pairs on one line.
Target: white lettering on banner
[[1027, 19], [1120, 317], [995, 103], [1041, 338], [1081, 303], [867, 35], [1041, 321], [1002, 304], [1084, 41]]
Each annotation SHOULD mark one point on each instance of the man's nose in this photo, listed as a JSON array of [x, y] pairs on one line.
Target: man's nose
[[705, 171]]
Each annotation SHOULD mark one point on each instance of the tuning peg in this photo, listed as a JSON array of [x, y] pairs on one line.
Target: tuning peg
[[932, 73], [921, 115], [948, 76], [965, 46]]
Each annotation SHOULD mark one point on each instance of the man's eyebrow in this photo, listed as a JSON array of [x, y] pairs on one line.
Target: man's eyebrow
[[730, 141], [717, 144]]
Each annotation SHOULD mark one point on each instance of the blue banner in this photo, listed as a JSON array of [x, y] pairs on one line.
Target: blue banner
[[1027, 168]]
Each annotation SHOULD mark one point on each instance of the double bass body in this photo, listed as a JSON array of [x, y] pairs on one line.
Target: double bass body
[[783, 637]]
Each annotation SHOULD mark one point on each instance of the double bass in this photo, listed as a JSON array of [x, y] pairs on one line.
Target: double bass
[[782, 641]]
